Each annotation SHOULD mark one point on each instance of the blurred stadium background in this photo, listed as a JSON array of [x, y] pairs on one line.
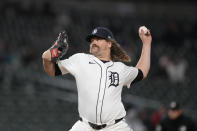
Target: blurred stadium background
[[32, 101]]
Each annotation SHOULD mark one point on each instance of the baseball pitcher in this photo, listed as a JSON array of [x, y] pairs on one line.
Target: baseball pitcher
[[100, 77]]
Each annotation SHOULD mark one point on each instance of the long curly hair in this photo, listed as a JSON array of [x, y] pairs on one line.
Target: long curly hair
[[117, 53]]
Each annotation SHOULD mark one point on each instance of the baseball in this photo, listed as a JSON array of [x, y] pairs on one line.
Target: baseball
[[144, 29]]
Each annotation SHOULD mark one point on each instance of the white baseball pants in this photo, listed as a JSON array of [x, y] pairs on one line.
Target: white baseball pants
[[82, 126]]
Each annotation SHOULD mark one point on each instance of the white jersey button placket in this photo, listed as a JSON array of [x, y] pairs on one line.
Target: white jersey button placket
[[101, 94]]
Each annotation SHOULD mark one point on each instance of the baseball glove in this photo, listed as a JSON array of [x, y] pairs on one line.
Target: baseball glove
[[60, 47]]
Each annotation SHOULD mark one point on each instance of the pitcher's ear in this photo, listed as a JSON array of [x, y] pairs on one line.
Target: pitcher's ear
[[109, 44]]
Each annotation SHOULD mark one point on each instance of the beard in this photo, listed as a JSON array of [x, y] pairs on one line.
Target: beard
[[94, 49]]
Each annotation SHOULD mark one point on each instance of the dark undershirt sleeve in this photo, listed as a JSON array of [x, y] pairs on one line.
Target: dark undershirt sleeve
[[57, 70], [139, 77]]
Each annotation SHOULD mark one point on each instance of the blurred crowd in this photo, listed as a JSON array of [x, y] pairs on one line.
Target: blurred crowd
[[27, 29], [170, 117]]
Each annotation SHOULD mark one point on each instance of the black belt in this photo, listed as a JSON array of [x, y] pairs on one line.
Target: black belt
[[98, 127]]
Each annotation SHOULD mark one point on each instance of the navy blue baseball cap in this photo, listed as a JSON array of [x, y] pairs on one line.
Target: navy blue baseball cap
[[174, 105], [100, 32]]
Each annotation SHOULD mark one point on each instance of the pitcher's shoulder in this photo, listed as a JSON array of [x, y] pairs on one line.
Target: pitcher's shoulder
[[121, 63], [80, 55]]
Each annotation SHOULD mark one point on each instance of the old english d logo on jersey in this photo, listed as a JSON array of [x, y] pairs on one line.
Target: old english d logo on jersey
[[114, 79]]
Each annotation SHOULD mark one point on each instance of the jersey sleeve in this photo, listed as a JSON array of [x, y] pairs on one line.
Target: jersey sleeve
[[131, 75], [70, 65]]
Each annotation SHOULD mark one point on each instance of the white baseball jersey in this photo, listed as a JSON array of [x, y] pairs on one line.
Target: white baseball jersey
[[99, 86]]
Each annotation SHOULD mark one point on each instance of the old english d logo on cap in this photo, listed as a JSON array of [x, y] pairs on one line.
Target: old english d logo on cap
[[94, 31]]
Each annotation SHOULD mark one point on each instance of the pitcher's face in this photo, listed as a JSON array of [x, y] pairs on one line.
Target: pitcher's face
[[99, 46]]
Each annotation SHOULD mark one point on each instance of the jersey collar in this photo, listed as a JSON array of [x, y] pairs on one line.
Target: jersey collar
[[107, 64]]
